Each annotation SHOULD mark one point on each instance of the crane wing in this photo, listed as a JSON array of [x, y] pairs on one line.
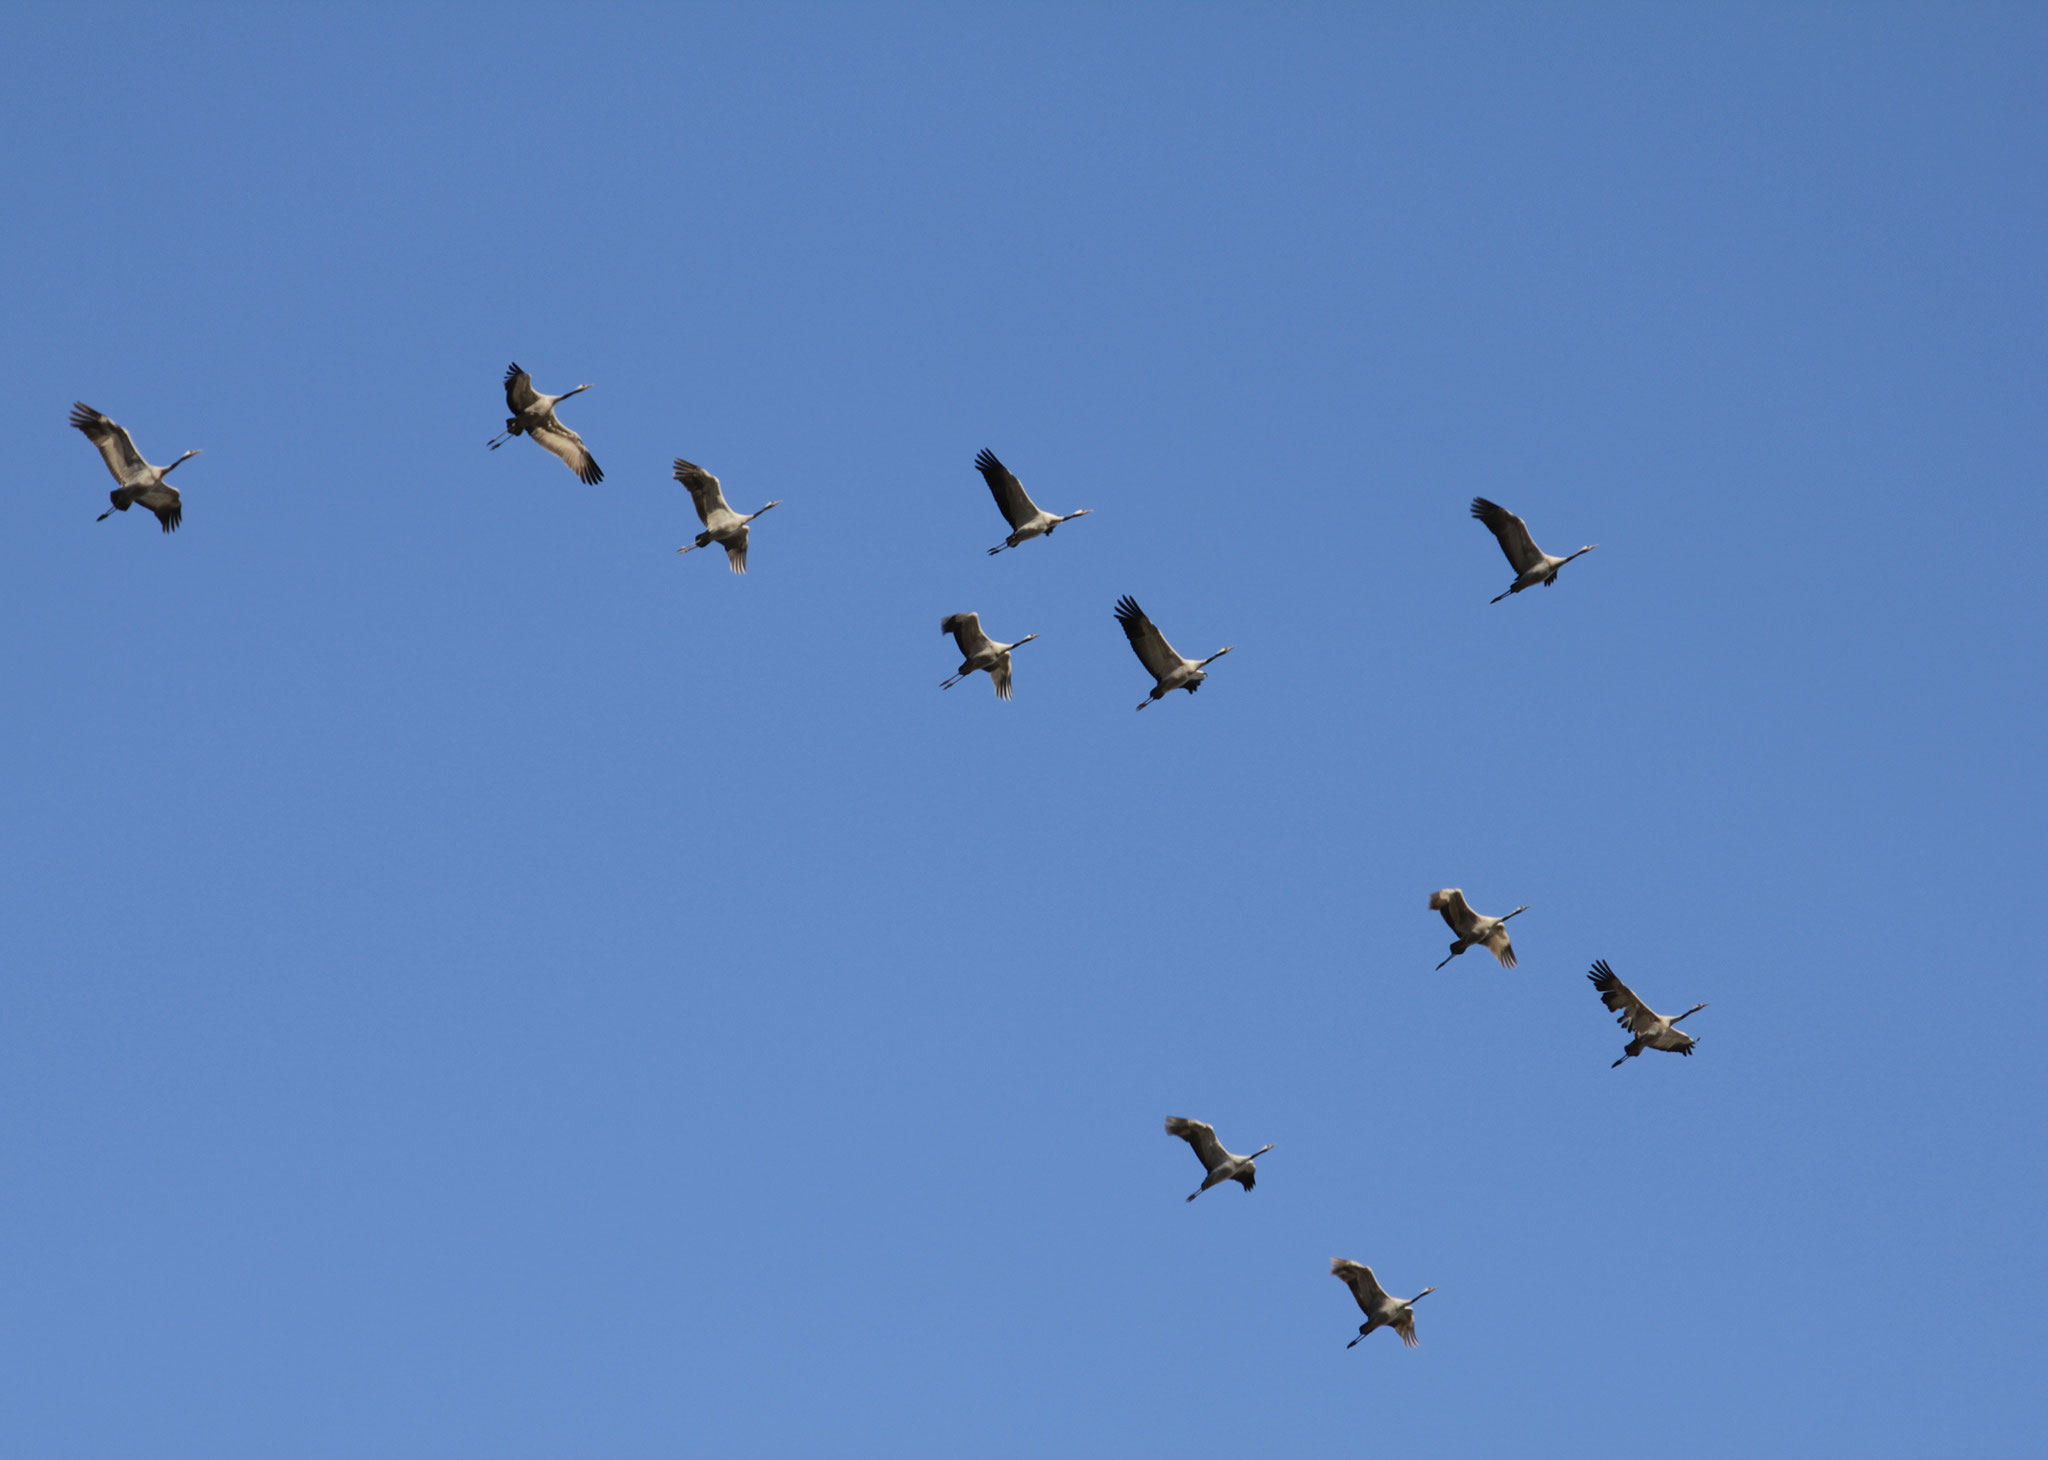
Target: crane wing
[[1364, 1286], [116, 446], [1202, 1136], [1498, 945], [705, 494], [170, 514], [566, 444], [736, 552], [1450, 901], [519, 392], [1635, 1016], [1403, 1323], [1511, 532], [1151, 647], [1001, 675], [1011, 499], [966, 631]]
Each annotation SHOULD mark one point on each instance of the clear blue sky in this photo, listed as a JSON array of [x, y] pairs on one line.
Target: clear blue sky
[[480, 985]]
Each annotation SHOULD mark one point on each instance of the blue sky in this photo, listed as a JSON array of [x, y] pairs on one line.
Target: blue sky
[[480, 984]]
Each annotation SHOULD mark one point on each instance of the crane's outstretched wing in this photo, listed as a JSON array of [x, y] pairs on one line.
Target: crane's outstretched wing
[[1498, 945], [736, 552], [1450, 901], [117, 447], [1202, 1136], [1000, 673], [170, 514], [705, 493], [966, 631], [1151, 647], [566, 444], [519, 392], [1364, 1286], [1634, 1015], [1011, 499], [1512, 533]]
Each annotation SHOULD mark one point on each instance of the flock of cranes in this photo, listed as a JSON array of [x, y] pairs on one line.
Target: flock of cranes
[[533, 416]]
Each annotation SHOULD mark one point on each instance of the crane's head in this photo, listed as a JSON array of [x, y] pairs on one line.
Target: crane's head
[[183, 459]]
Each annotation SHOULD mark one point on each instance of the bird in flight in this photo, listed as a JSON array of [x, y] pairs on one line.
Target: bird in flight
[[1532, 565], [1651, 1029], [533, 414], [1220, 1164], [978, 651], [1381, 1309], [721, 523], [1474, 928], [1027, 520], [1160, 658], [139, 481]]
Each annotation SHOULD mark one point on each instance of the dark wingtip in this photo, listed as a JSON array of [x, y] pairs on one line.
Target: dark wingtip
[[986, 461], [512, 370], [592, 474], [1127, 609]]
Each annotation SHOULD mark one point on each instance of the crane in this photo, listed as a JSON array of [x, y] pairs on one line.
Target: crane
[[139, 481], [1221, 1165], [1474, 928], [1381, 1309], [1651, 1029], [978, 651], [1027, 520], [1160, 659], [721, 523], [533, 414], [1532, 565]]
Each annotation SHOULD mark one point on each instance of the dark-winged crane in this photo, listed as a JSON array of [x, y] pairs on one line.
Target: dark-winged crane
[[1650, 1029], [139, 481], [721, 523], [1532, 565], [1221, 1165], [1160, 658], [1381, 1309], [533, 414], [1026, 518], [978, 651], [1473, 928]]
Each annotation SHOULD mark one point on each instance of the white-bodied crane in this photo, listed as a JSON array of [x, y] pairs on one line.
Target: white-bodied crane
[[1026, 518], [533, 414], [721, 523], [1474, 928], [1532, 565], [1381, 1308], [1650, 1029], [1221, 1165], [139, 481], [978, 651], [1160, 658]]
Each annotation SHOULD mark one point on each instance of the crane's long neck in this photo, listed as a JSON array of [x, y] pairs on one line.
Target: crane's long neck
[[1689, 1012], [1580, 553], [1259, 1152], [179, 462], [1214, 657], [1420, 1296], [1522, 909]]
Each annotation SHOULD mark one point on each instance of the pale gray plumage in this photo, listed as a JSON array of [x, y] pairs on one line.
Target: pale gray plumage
[[1532, 565], [1651, 1029], [1474, 928], [1381, 1309], [1160, 658], [1026, 518], [140, 483], [721, 523], [978, 651], [1221, 1165], [533, 414]]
